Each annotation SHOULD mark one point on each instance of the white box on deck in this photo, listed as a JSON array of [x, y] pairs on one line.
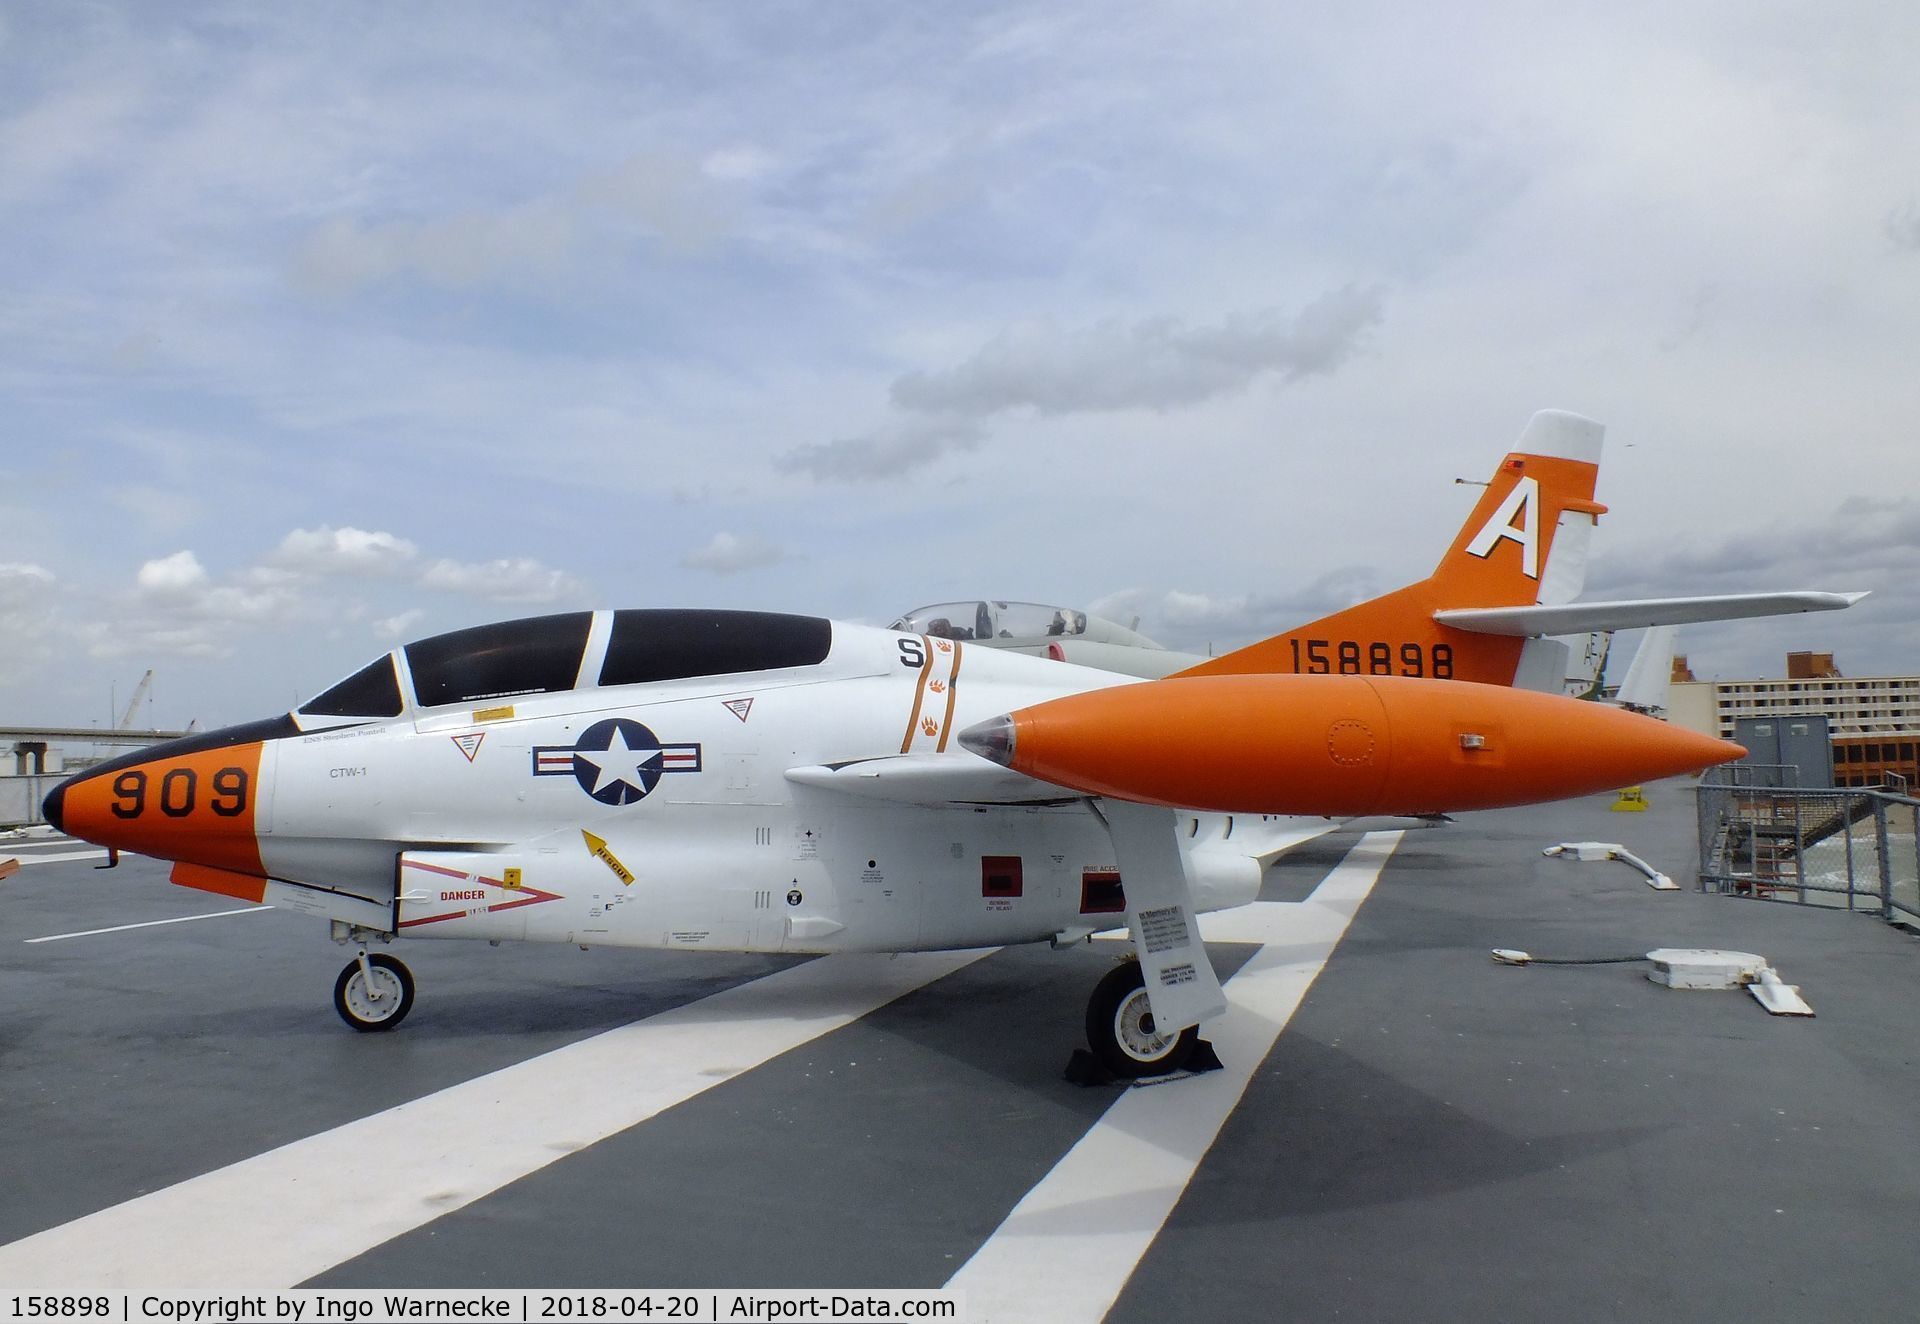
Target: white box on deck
[[1694, 967]]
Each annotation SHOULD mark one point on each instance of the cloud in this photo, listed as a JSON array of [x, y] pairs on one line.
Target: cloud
[[728, 554], [458, 252], [1196, 622], [159, 509], [889, 210], [670, 197], [650, 195], [1903, 226], [359, 553], [1865, 543], [1158, 363], [1699, 315], [178, 608], [28, 601], [176, 576], [16, 576], [61, 136], [397, 626], [890, 452], [517, 579], [327, 550]]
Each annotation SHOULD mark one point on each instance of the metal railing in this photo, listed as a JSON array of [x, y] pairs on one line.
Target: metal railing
[[1832, 846], [20, 797]]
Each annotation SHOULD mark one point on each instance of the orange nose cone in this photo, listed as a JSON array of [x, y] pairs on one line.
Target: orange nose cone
[[196, 806], [1337, 745]]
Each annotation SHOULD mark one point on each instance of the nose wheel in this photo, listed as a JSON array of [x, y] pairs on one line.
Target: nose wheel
[[1121, 1031], [373, 992]]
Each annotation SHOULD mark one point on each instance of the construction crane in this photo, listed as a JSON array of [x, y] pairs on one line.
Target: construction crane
[[140, 692]]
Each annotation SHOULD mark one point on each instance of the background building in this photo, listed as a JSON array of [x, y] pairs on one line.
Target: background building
[[1874, 720]]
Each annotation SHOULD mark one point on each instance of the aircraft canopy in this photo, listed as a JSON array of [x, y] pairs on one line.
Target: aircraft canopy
[[986, 618], [372, 691], [546, 654]]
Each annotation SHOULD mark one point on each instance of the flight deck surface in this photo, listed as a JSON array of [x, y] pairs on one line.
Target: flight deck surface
[[1431, 1135]]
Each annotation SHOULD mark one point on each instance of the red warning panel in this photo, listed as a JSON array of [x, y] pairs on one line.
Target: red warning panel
[[1101, 892], [1000, 876]]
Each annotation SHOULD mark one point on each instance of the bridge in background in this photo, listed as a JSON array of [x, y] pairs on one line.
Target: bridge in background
[[21, 793]]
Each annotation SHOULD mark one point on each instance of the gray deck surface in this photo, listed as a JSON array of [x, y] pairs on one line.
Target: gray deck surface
[[1433, 1136]]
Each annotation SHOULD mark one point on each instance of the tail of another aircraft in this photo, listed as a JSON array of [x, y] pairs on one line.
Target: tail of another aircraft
[[1649, 681], [1525, 543]]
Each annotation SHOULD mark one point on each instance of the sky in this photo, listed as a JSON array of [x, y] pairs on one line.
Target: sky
[[325, 327]]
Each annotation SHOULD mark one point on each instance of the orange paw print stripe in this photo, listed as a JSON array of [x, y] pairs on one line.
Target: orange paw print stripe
[[930, 722]]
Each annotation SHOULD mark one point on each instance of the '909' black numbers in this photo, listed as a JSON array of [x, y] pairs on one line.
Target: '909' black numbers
[[177, 790], [180, 793], [229, 792], [130, 794]]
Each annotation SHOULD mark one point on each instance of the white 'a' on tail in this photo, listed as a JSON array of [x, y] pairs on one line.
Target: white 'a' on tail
[[1525, 543]]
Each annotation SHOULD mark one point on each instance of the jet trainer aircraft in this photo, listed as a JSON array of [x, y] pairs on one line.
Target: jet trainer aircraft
[[747, 781]]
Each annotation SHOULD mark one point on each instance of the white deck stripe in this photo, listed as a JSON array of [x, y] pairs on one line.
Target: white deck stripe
[[63, 855], [1069, 1247], [148, 924], [284, 1216]]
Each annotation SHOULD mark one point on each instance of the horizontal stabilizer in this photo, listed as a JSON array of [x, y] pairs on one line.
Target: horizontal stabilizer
[[1637, 613], [932, 779]]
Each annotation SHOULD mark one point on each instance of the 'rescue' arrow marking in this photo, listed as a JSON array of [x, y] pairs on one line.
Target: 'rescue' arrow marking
[[597, 848]]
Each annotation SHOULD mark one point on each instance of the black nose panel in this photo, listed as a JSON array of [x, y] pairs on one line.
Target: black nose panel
[[51, 806]]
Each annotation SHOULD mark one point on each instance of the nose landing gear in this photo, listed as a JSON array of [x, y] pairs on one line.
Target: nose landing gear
[[373, 992]]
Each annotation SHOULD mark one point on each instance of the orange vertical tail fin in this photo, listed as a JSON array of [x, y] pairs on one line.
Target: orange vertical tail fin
[[1525, 542]]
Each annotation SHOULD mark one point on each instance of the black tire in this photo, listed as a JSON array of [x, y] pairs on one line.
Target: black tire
[[362, 1013], [1120, 1028]]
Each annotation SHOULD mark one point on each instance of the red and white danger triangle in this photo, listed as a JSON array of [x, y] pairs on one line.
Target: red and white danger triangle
[[739, 707]]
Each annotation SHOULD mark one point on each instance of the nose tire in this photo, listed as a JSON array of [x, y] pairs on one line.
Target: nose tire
[[364, 1012]]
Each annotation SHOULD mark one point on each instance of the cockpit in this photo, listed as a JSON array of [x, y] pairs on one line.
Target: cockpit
[[573, 650], [988, 619]]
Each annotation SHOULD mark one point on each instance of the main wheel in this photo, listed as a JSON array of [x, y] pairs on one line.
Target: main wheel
[[356, 1002], [1121, 1032]]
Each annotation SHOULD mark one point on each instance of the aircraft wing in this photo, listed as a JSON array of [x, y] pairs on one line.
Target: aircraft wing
[[962, 779], [1635, 613], [933, 779]]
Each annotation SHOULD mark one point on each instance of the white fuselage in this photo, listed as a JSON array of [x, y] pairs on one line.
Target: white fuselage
[[705, 842]]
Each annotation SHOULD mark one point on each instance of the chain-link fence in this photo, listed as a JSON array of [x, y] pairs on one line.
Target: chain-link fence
[[1851, 849], [20, 797]]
